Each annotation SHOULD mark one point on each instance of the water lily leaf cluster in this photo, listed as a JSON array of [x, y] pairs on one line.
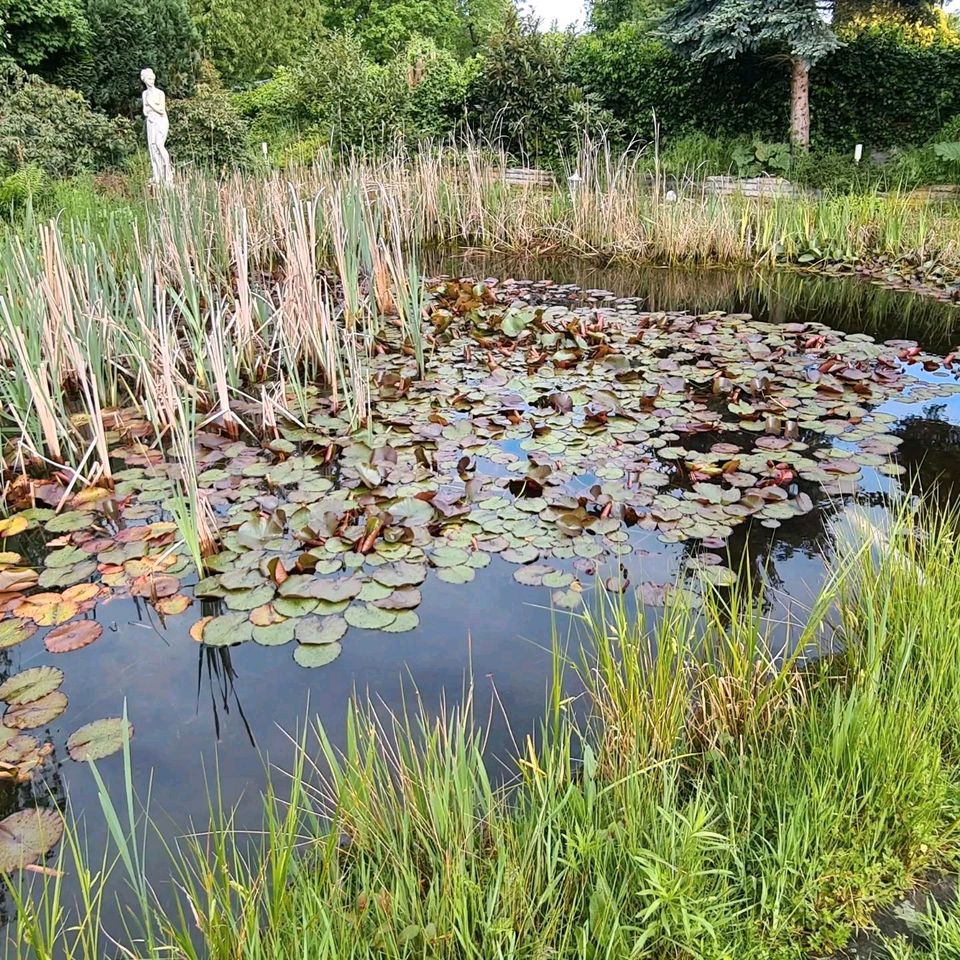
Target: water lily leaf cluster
[[552, 428]]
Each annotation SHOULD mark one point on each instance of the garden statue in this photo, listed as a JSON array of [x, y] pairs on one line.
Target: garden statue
[[158, 125]]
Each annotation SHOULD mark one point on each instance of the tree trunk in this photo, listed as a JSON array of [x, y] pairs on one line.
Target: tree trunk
[[800, 104]]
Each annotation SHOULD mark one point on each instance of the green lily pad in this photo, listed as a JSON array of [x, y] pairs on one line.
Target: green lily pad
[[248, 599], [533, 574], [404, 621], [15, 631], [400, 574], [66, 557], [463, 574], [369, 617], [373, 591], [27, 835], [525, 554], [99, 739], [316, 654], [274, 634], [567, 599], [293, 607], [448, 557], [717, 575], [320, 630], [228, 629], [70, 522], [31, 684]]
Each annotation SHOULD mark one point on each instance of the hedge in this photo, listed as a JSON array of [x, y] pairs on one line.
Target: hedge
[[887, 85]]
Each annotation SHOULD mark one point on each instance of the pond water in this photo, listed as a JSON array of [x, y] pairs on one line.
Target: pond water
[[227, 711]]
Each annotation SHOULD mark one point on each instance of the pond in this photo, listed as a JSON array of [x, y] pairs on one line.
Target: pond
[[511, 490]]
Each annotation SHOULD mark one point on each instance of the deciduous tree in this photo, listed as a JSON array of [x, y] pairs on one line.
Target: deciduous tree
[[41, 36]]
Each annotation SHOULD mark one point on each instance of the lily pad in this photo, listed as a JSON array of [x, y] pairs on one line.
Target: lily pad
[[274, 634], [72, 636], [37, 713], [404, 621], [99, 739], [463, 574], [525, 554], [27, 835], [316, 655], [400, 574], [228, 629], [369, 617], [15, 631], [30, 685], [294, 606], [318, 630], [404, 599], [248, 599]]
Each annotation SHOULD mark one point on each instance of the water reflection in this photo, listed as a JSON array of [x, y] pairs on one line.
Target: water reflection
[[780, 296], [216, 672]]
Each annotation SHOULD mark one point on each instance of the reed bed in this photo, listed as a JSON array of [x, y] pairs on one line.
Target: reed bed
[[264, 286]]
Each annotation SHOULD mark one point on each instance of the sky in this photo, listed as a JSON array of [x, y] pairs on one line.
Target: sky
[[564, 12], [572, 11]]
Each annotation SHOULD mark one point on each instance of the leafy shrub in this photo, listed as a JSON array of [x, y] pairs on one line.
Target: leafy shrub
[[338, 96], [340, 93], [54, 129], [128, 35], [437, 85], [272, 108], [837, 172], [762, 158], [525, 92], [43, 35], [207, 128]]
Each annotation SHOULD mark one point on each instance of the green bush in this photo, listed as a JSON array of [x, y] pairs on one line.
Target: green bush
[[437, 85], [339, 93], [43, 35], [527, 95], [207, 129], [128, 35], [20, 188], [890, 83], [54, 129], [340, 97]]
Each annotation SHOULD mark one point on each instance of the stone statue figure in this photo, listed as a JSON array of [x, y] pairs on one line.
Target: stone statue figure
[[158, 125]]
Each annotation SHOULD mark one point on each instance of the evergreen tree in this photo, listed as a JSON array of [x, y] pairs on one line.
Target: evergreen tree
[[729, 28]]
